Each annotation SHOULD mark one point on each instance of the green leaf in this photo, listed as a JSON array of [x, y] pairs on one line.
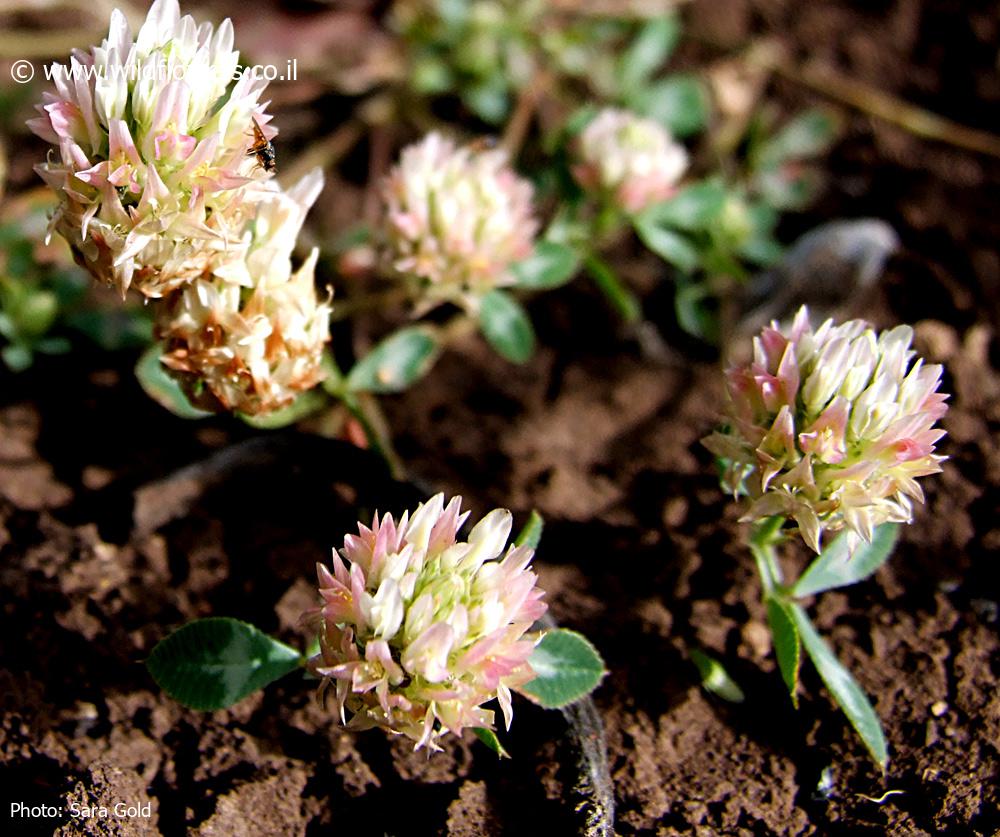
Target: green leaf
[[506, 326], [38, 312], [17, 357], [579, 119], [787, 644], [159, 385], [809, 134], [679, 102], [789, 189], [489, 99], [304, 405], [621, 298], [489, 738], [835, 567], [648, 52], [667, 244], [397, 362], [762, 252], [531, 534], [430, 75], [715, 678], [695, 208], [567, 668], [213, 663], [549, 266], [843, 687], [53, 346], [693, 315]]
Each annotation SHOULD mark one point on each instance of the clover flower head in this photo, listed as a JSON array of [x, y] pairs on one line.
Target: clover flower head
[[418, 629], [832, 427], [456, 219], [253, 336], [632, 160], [152, 147]]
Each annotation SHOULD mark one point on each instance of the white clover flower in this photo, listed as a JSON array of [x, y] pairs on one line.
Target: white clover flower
[[253, 336], [633, 161], [418, 630], [832, 427], [456, 219], [153, 144]]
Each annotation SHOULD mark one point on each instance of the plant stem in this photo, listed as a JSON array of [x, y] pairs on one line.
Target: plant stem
[[762, 542], [379, 442]]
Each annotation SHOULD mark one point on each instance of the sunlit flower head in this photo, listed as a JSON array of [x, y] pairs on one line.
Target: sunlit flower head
[[151, 162], [252, 339], [456, 219], [633, 161], [418, 630], [832, 427]]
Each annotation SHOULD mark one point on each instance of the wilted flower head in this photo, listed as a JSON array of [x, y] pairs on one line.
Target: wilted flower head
[[832, 427], [457, 218], [634, 161], [153, 141], [418, 630], [253, 336]]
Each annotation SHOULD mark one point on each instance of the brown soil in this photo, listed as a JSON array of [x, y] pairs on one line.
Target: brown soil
[[642, 552]]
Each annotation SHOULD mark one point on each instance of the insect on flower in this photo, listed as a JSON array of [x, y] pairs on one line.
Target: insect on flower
[[262, 147]]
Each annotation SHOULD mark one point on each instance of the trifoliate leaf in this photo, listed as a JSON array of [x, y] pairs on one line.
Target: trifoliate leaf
[[667, 244], [506, 327], [213, 663], [715, 678], [549, 266], [836, 567], [305, 404], [648, 52], [531, 534], [567, 668], [489, 738], [848, 695], [397, 362], [679, 102], [807, 135], [787, 644], [695, 208], [162, 387]]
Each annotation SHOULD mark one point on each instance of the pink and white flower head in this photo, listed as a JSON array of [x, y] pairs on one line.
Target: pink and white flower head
[[253, 336], [832, 427], [456, 219], [418, 630], [152, 140], [632, 161]]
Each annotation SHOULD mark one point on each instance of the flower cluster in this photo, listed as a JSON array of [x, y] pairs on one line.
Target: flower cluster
[[632, 161], [153, 150], [420, 629], [832, 427], [456, 219], [254, 338], [160, 191]]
